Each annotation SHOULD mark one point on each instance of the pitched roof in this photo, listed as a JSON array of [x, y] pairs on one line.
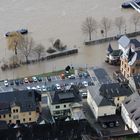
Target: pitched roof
[[136, 79], [102, 75], [135, 42], [132, 105], [124, 41], [99, 99], [114, 90], [65, 96], [25, 99]]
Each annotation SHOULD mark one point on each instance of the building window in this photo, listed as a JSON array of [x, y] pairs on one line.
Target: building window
[[29, 119], [3, 116], [133, 70], [23, 120], [128, 69], [57, 106], [0, 116], [122, 69], [15, 117], [118, 98], [9, 115], [9, 121], [125, 66], [16, 110], [64, 105], [30, 113]]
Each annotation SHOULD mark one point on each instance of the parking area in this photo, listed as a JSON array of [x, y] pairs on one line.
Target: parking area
[[49, 83]]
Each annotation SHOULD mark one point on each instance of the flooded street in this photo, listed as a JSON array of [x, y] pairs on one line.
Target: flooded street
[[62, 19]]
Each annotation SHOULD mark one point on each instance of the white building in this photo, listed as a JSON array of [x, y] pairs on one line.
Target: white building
[[61, 103], [98, 104], [131, 112], [106, 99]]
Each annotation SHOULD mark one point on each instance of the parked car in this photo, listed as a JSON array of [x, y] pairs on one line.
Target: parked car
[[85, 83], [11, 82], [58, 86], [6, 83], [28, 87], [17, 82], [71, 76], [34, 79], [21, 81], [44, 88], [84, 95], [38, 87], [30, 79], [39, 78], [26, 80], [49, 78], [34, 88]]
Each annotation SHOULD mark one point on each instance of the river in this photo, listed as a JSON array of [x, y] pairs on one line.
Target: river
[[62, 19]]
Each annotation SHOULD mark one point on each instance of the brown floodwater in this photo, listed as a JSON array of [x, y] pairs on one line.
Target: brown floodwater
[[62, 19]]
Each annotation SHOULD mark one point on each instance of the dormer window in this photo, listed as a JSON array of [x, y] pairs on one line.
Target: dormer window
[[133, 110], [137, 118], [127, 102]]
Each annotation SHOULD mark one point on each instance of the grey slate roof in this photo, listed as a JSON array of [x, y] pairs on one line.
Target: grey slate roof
[[124, 41], [72, 95], [114, 90], [136, 79], [25, 99], [99, 99], [135, 42], [132, 105], [102, 75]]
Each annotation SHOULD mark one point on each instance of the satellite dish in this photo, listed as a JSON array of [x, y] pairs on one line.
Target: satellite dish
[[133, 59]]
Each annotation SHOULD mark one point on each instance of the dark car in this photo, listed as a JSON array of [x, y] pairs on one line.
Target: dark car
[[39, 79], [11, 82], [17, 82], [30, 79], [21, 81], [49, 78]]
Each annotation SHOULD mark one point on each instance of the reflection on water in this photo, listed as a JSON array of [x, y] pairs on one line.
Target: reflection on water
[[58, 19]]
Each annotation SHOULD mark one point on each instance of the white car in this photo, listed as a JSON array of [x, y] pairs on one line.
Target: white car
[[58, 86], [38, 88], [44, 88], [34, 88], [34, 79], [28, 88], [6, 83], [26, 80], [85, 83]]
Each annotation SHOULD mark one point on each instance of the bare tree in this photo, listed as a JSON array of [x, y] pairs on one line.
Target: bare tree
[[119, 22], [26, 47], [14, 39], [51, 40], [89, 25], [135, 19], [106, 25], [39, 50]]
